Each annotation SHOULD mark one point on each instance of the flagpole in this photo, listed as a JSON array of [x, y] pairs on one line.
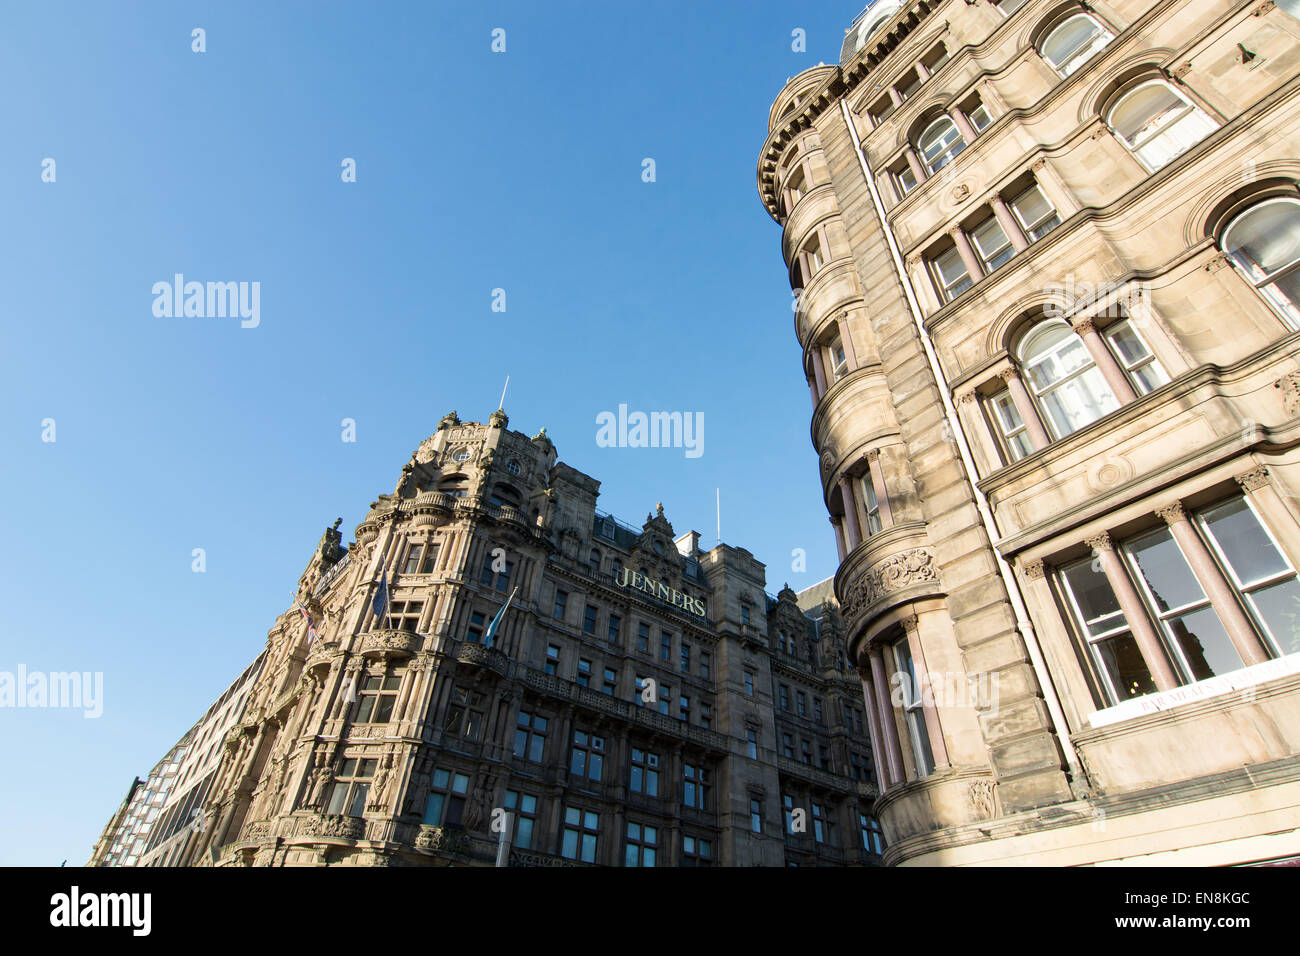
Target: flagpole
[[502, 404]]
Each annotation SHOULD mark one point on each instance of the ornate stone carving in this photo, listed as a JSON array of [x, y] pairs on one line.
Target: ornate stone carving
[[436, 838], [895, 573], [1181, 70], [351, 828], [966, 398], [1099, 542], [1289, 385], [1033, 569], [1217, 263], [960, 192], [1008, 373], [1084, 326], [1264, 7], [1172, 512], [1039, 164], [1254, 479], [981, 798]]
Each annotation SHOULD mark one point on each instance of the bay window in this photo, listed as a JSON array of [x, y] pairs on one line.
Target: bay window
[[913, 714]]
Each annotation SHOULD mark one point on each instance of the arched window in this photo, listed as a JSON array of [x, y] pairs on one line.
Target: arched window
[[1264, 244], [1157, 123], [1073, 42], [454, 485], [593, 561], [1070, 389], [940, 143]]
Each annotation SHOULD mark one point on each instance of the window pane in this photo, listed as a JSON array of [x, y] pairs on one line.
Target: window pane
[[1123, 662], [1278, 606], [1160, 563], [1093, 595], [1266, 239], [1251, 554], [1069, 45], [1204, 643], [993, 245]]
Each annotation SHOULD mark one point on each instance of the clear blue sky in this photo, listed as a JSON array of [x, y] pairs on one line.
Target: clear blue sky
[[475, 171]]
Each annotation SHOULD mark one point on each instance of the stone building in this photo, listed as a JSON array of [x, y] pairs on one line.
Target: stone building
[[639, 701], [1046, 259], [162, 814]]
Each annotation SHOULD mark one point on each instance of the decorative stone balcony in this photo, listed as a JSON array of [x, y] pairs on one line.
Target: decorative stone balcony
[[332, 825], [440, 838], [488, 657], [808, 772], [889, 569], [390, 644]]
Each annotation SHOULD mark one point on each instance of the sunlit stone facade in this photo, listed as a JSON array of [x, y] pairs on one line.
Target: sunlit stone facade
[[1046, 259], [643, 700]]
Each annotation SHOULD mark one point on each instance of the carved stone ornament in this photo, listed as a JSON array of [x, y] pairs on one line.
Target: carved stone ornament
[[1251, 480], [1034, 570], [1181, 70], [981, 798], [1264, 7], [1099, 542], [1172, 512], [1289, 385], [893, 574], [352, 828], [960, 193], [1217, 263]]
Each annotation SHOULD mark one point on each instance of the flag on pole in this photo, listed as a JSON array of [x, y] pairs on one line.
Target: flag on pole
[[492, 628], [380, 603], [311, 627]]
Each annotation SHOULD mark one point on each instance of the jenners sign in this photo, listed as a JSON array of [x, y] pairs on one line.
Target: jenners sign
[[657, 589]]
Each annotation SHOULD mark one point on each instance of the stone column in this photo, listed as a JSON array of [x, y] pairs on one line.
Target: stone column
[[895, 98], [878, 484], [849, 500], [878, 756], [917, 167], [1009, 224], [963, 124], [819, 373], [842, 323], [1221, 594], [1110, 370], [885, 713], [812, 390], [1025, 406], [933, 727], [839, 537], [1144, 632], [968, 257]]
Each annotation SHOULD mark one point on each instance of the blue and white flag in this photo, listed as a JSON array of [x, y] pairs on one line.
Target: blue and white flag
[[492, 628]]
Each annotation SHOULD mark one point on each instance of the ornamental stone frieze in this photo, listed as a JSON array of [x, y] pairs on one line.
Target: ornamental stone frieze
[[438, 838], [332, 825], [390, 644], [899, 572]]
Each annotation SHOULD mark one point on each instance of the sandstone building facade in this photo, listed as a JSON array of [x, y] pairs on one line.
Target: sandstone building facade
[[641, 702], [1046, 259]]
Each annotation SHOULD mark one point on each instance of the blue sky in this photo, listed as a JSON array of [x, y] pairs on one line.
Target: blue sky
[[475, 171]]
